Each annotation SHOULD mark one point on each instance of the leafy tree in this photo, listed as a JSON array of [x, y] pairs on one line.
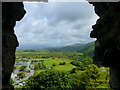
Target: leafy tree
[[11, 81], [76, 63], [21, 75], [73, 70], [79, 64], [50, 79], [22, 68], [28, 71], [23, 56], [87, 61], [62, 63], [39, 66], [90, 78], [14, 67], [54, 64]]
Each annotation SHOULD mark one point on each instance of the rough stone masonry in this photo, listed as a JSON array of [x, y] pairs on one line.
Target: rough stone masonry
[[106, 30], [11, 12], [107, 45]]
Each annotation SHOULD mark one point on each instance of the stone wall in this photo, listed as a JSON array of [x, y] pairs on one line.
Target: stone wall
[[11, 12], [106, 30], [107, 45]]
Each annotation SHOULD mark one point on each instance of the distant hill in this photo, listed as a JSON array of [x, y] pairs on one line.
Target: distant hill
[[68, 48], [87, 49]]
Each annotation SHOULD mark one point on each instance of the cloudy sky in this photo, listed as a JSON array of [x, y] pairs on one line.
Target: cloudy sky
[[55, 24]]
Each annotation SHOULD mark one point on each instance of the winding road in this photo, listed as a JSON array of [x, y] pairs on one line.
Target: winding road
[[30, 74]]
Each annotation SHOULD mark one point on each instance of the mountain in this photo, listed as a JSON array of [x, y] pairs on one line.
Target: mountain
[[69, 47], [87, 49]]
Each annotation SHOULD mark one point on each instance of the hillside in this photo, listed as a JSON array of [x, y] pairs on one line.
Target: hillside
[[81, 48], [87, 49]]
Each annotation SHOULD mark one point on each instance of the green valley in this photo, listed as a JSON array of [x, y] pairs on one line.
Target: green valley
[[59, 69]]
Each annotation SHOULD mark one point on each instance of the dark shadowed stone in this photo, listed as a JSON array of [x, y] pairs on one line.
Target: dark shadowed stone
[[11, 12], [107, 32]]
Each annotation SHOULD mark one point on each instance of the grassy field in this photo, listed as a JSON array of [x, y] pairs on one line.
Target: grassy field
[[65, 61], [17, 66], [46, 54], [52, 59], [56, 61], [36, 72], [66, 67]]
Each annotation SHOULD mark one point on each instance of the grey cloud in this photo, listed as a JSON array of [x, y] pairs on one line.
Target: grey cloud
[[55, 24], [70, 12]]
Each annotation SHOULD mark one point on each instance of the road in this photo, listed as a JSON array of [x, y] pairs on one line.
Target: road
[[30, 74]]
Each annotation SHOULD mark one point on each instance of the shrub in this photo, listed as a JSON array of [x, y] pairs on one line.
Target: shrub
[[50, 79], [62, 63]]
